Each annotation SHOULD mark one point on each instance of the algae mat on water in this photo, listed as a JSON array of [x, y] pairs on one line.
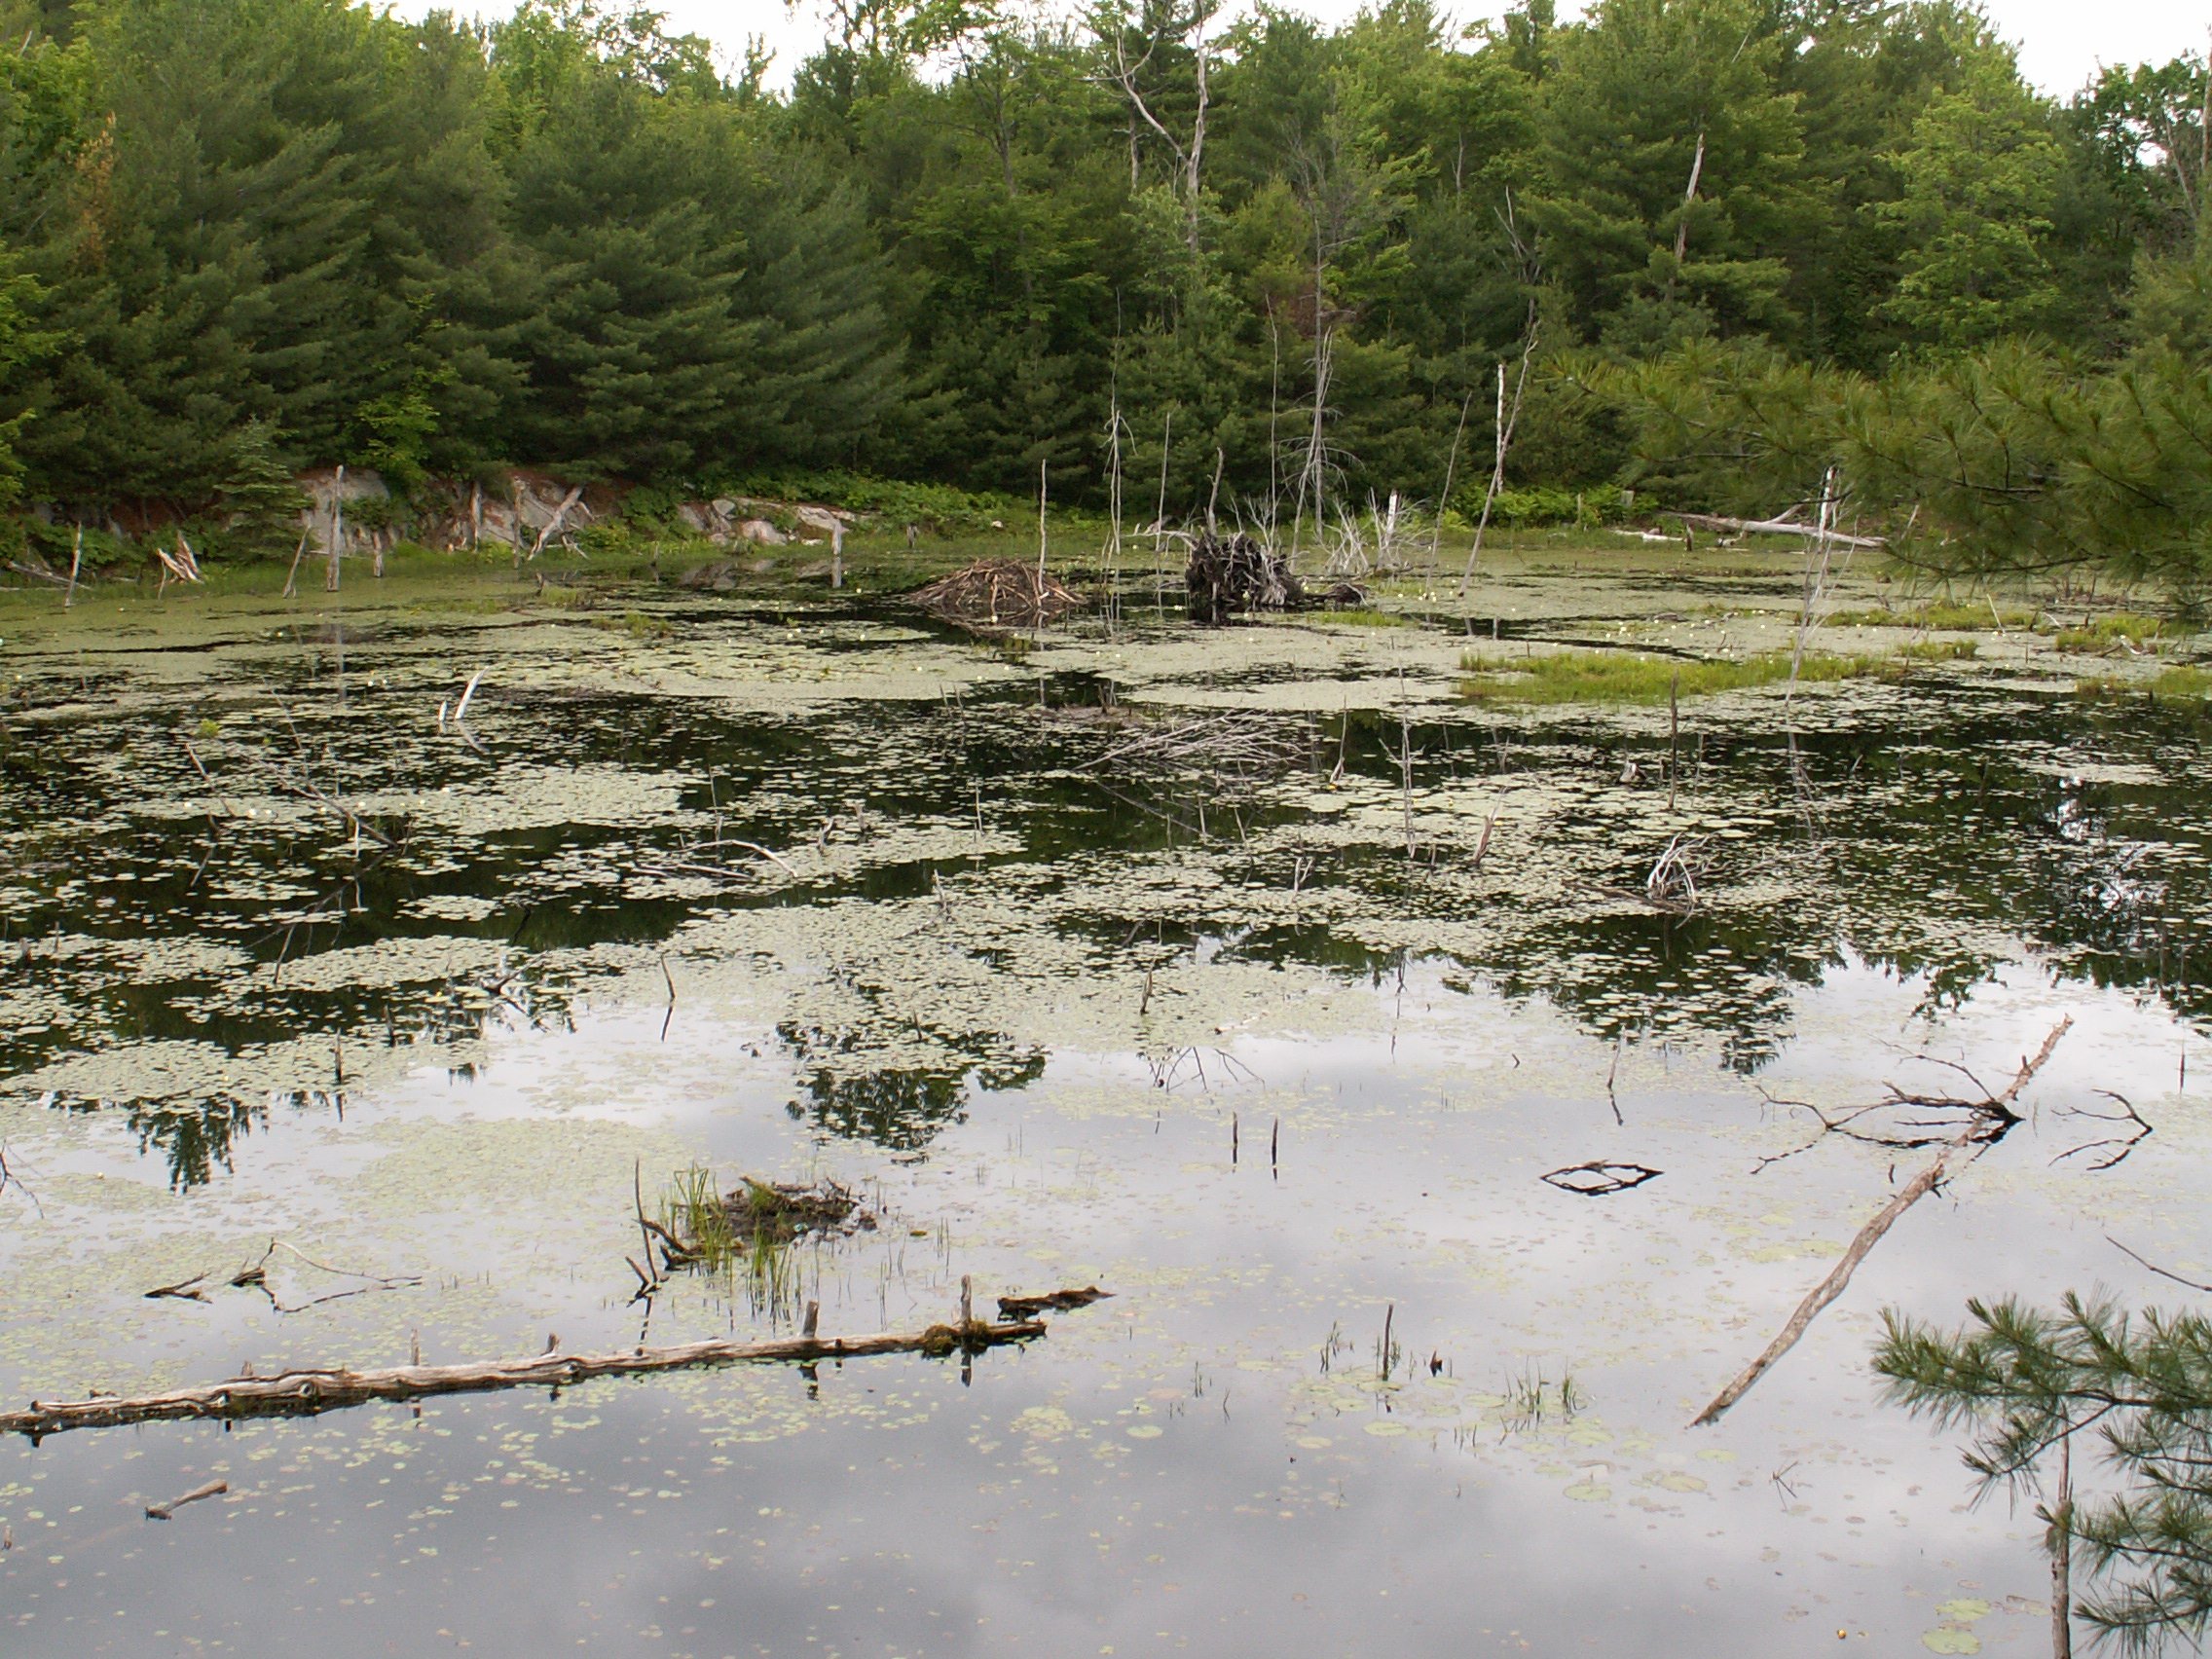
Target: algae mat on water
[[1278, 1051]]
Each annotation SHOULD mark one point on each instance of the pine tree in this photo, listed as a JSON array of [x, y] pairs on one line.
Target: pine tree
[[627, 332], [1982, 176], [2023, 1380], [825, 371], [1674, 175]]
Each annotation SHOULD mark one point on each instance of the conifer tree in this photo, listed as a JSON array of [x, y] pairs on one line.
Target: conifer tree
[[2138, 1389]]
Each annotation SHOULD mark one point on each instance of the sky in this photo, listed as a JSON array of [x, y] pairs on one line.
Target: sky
[[2061, 41]]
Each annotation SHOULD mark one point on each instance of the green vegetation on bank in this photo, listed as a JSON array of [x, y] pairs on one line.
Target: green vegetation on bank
[[1737, 244]]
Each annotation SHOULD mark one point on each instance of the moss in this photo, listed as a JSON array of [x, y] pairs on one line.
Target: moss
[[1629, 677]]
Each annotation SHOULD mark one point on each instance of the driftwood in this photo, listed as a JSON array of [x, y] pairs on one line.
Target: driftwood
[[306, 1392], [1987, 1122], [1775, 527], [553, 523]]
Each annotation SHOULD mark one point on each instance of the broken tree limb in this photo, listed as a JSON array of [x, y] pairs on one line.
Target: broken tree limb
[[1772, 526], [553, 524], [1970, 1141], [307, 1392]]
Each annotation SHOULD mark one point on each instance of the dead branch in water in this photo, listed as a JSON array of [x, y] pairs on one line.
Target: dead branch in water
[[254, 1275], [1236, 741], [1987, 1120], [162, 1511], [306, 1392], [1029, 1307]]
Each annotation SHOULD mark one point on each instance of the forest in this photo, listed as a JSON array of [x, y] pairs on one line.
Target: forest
[[1725, 254]]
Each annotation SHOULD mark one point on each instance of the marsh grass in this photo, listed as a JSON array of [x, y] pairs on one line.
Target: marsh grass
[[1944, 615], [2119, 630], [1938, 651], [694, 1212], [2179, 680], [1366, 616], [747, 1239], [1531, 1398], [637, 625], [1629, 677]]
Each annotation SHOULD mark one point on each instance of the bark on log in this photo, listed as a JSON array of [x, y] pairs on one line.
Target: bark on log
[[306, 1392]]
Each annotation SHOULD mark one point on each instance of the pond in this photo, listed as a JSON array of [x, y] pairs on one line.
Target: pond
[[1255, 974]]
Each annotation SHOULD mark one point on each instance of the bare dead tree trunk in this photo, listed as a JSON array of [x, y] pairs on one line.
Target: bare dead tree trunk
[[1189, 158], [1532, 272], [1816, 572], [1689, 195], [1508, 416], [337, 533], [1198, 133], [1450, 465], [1274, 403]]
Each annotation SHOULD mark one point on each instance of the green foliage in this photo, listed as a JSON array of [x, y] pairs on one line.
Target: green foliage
[[1941, 613], [18, 347], [2007, 463], [1938, 651], [2020, 1379], [2119, 630], [2178, 680], [937, 508], [1540, 504], [1675, 168], [1982, 179], [1364, 618], [1752, 241]]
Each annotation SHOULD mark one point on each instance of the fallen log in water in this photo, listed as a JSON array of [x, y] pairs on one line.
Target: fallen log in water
[[296, 1393], [1774, 527], [1986, 1121]]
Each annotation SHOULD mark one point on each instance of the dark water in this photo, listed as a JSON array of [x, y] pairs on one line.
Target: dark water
[[1053, 1008]]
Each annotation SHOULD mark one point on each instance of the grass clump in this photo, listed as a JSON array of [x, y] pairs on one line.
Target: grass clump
[[1938, 651], [1367, 616], [637, 624], [1944, 613], [1630, 676], [2121, 629], [2178, 680]]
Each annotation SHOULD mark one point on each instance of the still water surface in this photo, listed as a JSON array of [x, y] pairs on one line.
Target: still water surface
[[1194, 1026]]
